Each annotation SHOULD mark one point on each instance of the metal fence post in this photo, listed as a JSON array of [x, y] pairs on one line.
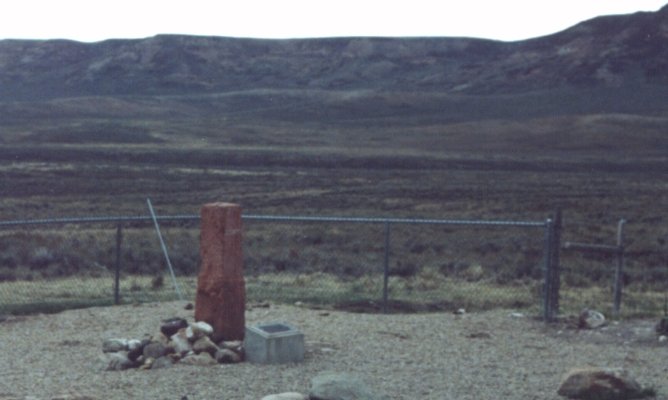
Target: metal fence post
[[386, 266], [547, 285], [117, 271], [617, 301], [555, 269]]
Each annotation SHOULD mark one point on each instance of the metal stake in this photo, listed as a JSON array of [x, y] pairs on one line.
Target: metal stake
[[547, 285], [617, 301], [386, 266], [117, 274]]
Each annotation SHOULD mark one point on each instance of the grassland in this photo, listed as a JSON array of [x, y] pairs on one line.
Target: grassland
[[105, 156]]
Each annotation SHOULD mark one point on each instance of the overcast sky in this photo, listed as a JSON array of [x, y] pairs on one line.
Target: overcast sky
[[91, 20]]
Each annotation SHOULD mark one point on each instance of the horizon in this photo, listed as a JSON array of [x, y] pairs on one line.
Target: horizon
[[513, 20]]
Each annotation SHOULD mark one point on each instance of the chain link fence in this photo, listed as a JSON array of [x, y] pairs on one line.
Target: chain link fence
[[613, 273], [357, 264]]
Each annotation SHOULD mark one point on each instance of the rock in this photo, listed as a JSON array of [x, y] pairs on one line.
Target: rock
[[137, 350], [119, 361], [197, 330], [337, 386], [172, 325], [202, 359], [114, 345], [227, 356], [286, 396], [70, 396], [148, 363], [179, 342], [601, 383], [134, 344], [235, 345], [590, 319], [204, 344], [200, 329], [155, 350], [189, 306]]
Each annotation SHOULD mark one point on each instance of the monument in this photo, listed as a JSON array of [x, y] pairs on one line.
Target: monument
[[221, 292]]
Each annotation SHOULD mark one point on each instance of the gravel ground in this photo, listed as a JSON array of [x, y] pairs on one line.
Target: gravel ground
[[489, 355]]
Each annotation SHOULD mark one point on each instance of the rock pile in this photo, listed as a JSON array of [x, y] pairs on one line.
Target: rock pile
[[178, 341], [602, 383]]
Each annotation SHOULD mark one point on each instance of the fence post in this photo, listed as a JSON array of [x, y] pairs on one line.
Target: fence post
[[555, 268], [117, 272], [617, 301], [547, 285], [386, 266]]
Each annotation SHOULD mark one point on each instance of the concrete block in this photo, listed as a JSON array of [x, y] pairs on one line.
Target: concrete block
[[273, 343]]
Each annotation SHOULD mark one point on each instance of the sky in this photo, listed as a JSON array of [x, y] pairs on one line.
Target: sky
[[96, 20]]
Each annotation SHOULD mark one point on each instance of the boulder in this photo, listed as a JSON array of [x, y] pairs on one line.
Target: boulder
[[340, 386], [286, 396], [601, 383], [591, 319]]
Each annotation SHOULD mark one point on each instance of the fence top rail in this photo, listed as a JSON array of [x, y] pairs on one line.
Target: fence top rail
[[368, 220], [276, 218]]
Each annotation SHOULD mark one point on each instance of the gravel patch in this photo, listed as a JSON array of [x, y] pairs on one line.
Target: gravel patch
[[489, 355]]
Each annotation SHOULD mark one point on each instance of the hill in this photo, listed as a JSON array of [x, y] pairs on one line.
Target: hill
[[601, 85]]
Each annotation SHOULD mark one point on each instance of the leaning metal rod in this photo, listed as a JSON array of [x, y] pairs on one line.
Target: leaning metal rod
[[164, 248]]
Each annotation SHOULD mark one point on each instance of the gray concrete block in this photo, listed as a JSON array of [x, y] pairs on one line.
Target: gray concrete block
[[273, 343]]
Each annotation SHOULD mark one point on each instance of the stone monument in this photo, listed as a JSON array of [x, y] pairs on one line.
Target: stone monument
[[221, 292]]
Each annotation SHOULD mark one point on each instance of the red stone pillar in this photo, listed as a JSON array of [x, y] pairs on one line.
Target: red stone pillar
[[221, 292]]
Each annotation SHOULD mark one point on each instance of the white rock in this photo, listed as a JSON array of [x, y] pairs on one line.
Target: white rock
[[286, 396], [591, 319], [198, 329], [663, 338], [114, 345], [134, 344], [235, 345], [179, 341]]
